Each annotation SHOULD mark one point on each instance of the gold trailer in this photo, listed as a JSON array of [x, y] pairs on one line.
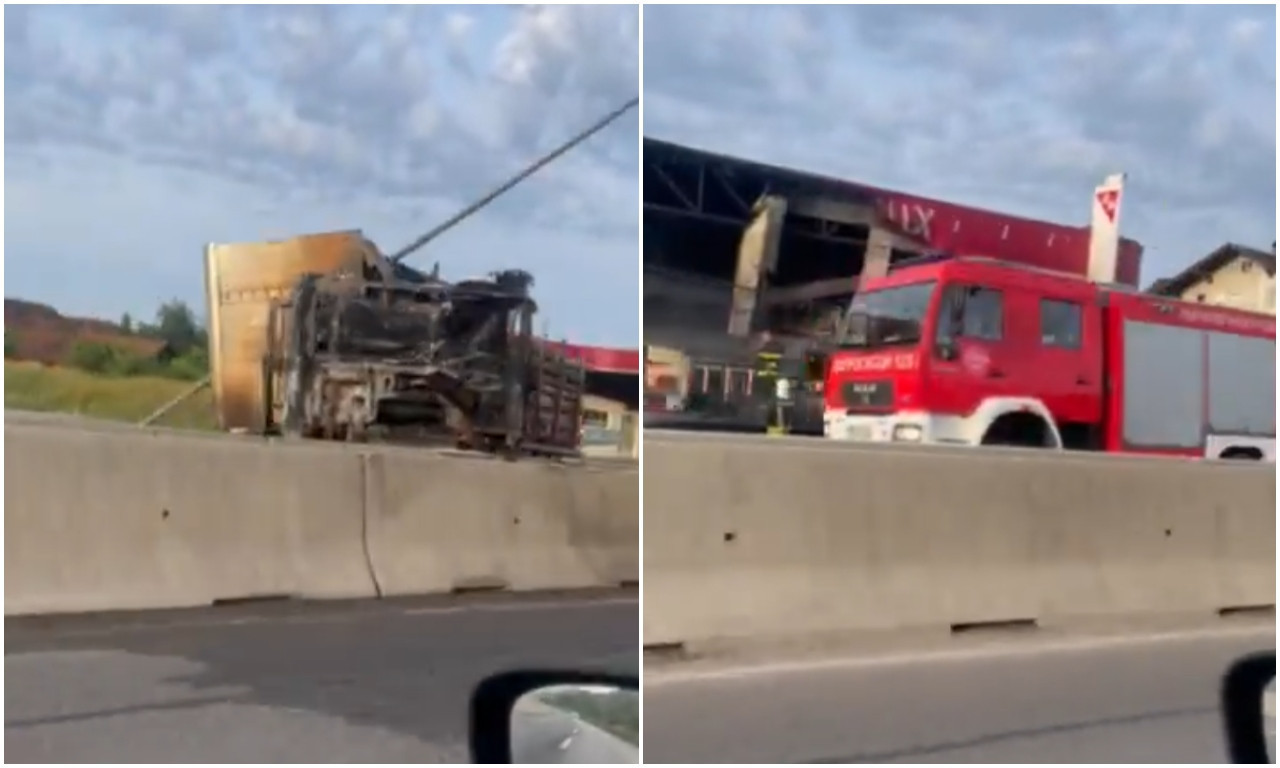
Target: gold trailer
[[241, 282]]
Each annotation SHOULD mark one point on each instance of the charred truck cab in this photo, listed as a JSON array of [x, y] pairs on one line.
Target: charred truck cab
[[975, 351], [377, 350]]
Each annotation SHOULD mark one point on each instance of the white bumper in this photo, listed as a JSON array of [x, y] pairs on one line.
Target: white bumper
[[906, 427]]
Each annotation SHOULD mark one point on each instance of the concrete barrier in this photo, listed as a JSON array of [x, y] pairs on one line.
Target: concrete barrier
[[441, 523], [119, 520], [116, 519], [750, 539]]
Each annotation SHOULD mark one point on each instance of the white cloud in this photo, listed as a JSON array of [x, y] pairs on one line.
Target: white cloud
[[135, 134], [1019, 108]]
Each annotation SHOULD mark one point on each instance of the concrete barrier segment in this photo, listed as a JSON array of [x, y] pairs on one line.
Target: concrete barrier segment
[[746, 540]]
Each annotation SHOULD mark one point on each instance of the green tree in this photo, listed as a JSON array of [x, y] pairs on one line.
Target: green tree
[[10, 348], [94, 357], [110, 360], [126, 323], [177, 325], [192, 365]]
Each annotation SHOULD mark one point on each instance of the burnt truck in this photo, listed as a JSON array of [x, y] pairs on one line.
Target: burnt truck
[[325, 337], [375, 349], [345, 344]]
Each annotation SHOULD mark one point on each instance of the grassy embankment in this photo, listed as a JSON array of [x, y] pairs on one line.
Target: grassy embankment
[[35, 387]]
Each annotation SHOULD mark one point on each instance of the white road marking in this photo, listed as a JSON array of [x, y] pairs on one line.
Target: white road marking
[[676, 676]]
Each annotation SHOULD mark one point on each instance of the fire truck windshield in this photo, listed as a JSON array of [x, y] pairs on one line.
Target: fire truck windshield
[[887, 317]]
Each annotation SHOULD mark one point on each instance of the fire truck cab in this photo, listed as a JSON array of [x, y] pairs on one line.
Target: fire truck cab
[[974, 351]]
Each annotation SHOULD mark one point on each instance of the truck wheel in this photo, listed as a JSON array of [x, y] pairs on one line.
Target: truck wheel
[[1240, 453], [1018, 430]]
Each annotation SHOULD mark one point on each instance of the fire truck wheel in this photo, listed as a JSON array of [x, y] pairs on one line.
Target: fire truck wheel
[[1020, 430], [1240, 453]]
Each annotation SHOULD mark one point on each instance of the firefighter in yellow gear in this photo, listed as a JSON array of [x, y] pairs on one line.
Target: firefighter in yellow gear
[[773, 385]]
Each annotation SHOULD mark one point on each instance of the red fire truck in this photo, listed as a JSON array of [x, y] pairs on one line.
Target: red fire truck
[[976, 351]]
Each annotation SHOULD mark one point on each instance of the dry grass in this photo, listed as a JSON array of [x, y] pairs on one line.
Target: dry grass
[[35, 387]]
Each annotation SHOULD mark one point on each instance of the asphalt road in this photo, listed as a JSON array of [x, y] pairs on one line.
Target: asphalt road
[[1116, 699], [544, 735], [355, 682]]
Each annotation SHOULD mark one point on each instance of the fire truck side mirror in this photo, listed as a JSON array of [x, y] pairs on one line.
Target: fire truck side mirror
[[953, 302], [950, 323]]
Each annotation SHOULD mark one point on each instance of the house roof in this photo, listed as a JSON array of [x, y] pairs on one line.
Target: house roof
[[1210, 264]]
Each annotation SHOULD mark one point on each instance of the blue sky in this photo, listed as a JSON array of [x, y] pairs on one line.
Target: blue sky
[[1022, 109], [134, 135]]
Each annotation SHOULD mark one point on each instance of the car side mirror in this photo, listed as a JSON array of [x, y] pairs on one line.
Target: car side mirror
[[1248, 700], [555, 717]]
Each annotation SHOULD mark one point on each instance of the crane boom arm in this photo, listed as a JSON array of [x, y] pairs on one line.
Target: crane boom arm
[[541, 163]]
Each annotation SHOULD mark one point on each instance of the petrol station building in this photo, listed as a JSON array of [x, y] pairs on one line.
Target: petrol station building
[[796, 245]]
